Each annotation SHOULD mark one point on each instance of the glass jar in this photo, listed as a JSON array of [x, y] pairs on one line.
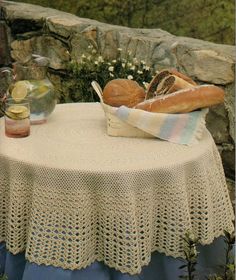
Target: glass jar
[[31, 82]]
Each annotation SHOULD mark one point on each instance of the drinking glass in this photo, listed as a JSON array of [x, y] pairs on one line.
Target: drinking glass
[[31, 82], [17, 117]]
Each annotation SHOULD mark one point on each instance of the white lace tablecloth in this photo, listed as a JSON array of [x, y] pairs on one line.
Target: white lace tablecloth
[[70, 194]]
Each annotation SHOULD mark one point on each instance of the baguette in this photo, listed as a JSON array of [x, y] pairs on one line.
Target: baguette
[[185, 100]]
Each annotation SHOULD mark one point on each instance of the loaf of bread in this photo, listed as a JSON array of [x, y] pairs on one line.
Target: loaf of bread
[[126, 92], [185, 100], [171, 84], [164, 75], [173, 71]]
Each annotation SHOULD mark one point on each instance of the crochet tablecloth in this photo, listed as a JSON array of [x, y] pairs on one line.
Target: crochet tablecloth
[[70, 194]]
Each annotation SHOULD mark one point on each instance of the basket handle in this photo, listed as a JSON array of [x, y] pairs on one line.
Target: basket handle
[[98, 89]]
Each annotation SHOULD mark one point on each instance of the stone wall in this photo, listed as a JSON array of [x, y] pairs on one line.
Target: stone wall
[[26, 29]]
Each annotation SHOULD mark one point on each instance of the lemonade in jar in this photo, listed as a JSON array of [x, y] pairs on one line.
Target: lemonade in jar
[[31, 82]]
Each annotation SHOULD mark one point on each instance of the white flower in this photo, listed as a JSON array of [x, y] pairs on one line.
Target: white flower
[[123, 65], [132, 68], [130, 77], [111, 75], [119, 49], [90, 46], [143, 62], [140, 72], [100, 59], [96, 62], [89, 57], [129, 64], [111, 68], [114, 60], [145, 84], [83, 55], [147, 68], [94, 51]]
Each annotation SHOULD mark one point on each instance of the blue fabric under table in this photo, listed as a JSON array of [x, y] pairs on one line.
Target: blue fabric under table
[[161, 267]]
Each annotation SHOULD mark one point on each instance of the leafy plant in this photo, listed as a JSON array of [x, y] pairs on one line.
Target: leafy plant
[[93, 67], [191, 255], [3, 276], [229, 267]]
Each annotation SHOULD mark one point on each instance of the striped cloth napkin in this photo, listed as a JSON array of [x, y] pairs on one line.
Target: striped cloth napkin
[[184, 128]]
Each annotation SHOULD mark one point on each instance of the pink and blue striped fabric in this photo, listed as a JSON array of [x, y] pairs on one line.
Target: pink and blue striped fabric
[[176, 128]]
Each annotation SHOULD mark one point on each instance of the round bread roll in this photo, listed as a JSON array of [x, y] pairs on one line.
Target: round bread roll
[[185, 100], [120, 92]]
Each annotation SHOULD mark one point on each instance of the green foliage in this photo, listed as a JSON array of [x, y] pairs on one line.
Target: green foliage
[[211, 20], [3, 277], [93, 67], [229, 268], [191, 255]]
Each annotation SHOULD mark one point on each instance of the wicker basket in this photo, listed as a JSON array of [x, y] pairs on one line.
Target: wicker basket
[[116, 127]]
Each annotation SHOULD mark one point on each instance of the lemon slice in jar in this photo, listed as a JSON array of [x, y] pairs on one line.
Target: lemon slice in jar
[[40, 89], [20, 90]]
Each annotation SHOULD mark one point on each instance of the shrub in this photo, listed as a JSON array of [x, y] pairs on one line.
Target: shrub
[[191, 257], [93, 67]]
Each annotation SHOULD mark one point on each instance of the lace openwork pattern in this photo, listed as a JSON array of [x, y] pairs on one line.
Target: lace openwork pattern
[[70, 194]]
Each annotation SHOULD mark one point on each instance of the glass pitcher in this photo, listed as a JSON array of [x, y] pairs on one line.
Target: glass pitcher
[[29, 80]]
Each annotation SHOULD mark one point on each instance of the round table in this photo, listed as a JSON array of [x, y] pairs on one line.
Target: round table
[[70, 194]]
